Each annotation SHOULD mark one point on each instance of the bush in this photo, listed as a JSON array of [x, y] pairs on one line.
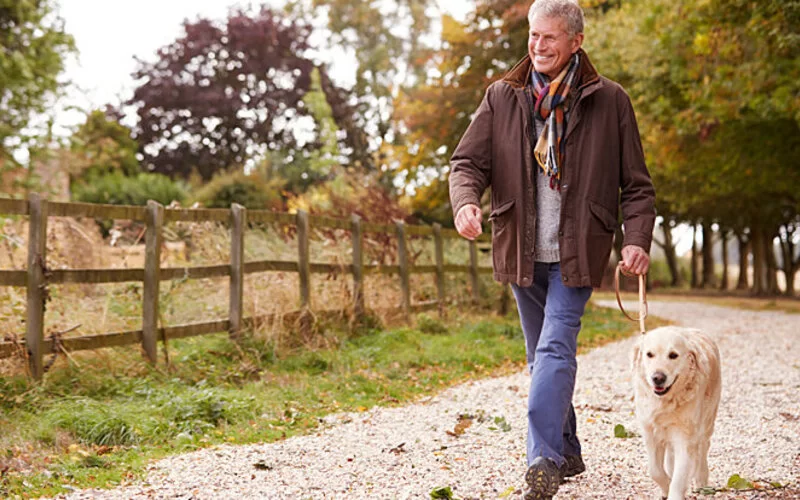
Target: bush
[[351, 193], [117, 189], [250, 191], [428, 325]]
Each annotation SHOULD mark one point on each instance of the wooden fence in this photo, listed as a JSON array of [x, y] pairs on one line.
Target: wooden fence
[[38, 277]]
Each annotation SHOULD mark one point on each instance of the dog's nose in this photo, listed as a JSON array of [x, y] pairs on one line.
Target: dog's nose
[[659, 378]]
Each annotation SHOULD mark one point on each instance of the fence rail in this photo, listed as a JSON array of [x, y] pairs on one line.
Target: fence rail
[[37, 277]]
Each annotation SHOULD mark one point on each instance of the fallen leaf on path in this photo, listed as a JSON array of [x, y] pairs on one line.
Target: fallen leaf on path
[[262, 465], [463, 424]]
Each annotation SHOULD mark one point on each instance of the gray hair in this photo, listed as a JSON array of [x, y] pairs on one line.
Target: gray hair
[[568, 10]]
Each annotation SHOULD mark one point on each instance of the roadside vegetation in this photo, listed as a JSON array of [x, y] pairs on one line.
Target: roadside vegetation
[[99, 417]]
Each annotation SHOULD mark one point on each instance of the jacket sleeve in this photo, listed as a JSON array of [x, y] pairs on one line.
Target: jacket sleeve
[[637, 198], [471, 163]]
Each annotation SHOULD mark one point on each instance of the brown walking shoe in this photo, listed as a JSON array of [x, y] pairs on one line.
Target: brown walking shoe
[[574, 465], [543, 478]]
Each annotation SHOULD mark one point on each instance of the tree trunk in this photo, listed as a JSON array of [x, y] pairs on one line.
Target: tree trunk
[[695, 278], [670, 256], [759, 261], [723, 234], [789, 266], [772, 264], [744, 252], [709, 279], [789, 261]]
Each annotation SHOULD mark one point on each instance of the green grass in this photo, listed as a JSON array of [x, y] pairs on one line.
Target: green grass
[[98, 424]]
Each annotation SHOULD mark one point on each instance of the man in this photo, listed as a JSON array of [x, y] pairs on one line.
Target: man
[[559, 146]]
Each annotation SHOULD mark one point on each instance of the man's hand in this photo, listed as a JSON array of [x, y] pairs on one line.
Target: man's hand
[[635, 260], [468, 221]]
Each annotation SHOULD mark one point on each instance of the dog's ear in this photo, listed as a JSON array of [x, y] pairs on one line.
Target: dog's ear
[[637, 354], [697, 358]]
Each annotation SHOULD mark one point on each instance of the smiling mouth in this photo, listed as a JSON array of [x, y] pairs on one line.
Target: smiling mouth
[[661, 390]]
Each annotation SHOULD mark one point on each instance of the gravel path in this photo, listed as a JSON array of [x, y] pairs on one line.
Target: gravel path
[[406, 452]]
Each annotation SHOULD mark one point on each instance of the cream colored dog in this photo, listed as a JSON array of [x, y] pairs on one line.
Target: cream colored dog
[[677, 383]]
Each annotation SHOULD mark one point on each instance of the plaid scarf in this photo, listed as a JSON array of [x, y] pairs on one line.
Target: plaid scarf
[[551, 106]]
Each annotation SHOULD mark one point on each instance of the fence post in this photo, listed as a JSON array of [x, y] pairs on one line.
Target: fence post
[[439, 251], [473, 271], [304, 272], [358, 266], [303, 262], [402, 257], [154, 219], [238, 221], [37, 291]]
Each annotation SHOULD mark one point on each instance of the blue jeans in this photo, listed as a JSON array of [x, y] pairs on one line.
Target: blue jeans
[[550, 314]]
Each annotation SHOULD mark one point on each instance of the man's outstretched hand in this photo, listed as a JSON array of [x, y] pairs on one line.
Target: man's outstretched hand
[[468, 221], [635, 260]]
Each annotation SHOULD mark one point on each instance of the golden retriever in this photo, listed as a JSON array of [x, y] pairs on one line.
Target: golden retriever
[[677, 386]]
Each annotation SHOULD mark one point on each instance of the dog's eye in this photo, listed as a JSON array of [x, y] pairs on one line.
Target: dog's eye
[[649, 354], [673, 355]]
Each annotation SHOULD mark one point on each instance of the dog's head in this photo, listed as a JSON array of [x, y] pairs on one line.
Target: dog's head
[[662, 357]]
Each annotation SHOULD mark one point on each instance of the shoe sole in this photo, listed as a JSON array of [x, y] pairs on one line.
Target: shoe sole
[[541, 483], [536, 496]]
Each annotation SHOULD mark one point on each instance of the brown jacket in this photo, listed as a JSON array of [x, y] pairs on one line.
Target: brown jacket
[[603, 169]]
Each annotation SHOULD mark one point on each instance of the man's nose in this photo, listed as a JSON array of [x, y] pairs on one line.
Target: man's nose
[[659, 378]]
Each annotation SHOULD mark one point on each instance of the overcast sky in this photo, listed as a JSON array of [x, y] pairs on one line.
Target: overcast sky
[[108, 35]]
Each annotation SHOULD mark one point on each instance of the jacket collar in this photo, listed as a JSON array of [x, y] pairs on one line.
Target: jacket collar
[[519, 76]]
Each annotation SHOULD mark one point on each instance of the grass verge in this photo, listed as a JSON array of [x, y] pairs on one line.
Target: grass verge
[[99, 419]]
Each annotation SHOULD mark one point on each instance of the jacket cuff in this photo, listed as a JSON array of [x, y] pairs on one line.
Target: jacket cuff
[[639, 239], [464, 200]]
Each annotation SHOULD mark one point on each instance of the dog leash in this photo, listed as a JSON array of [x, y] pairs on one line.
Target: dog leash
[[642, 297]]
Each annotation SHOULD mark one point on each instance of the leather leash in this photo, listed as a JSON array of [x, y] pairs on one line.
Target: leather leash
[[642, 297]]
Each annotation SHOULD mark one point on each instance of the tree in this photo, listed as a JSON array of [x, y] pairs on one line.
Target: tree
[[386, 38], [33, 48], [472, 55], [220, 96], [715, 85], [305, 168], [103, 145]]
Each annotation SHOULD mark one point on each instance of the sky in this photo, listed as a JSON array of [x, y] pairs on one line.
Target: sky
[[108, 35]]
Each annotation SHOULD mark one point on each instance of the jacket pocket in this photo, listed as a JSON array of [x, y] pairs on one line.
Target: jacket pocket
[[604, 215], [504, 237], [496, 215]]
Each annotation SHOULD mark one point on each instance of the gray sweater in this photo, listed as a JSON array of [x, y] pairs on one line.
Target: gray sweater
[[548, 213]]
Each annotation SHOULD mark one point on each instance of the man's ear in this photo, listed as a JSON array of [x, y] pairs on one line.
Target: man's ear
[[577, 41]]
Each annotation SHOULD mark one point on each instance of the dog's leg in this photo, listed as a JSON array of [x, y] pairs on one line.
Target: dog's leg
[[655, 460], [669, 460], [701, 476], [683, 469]]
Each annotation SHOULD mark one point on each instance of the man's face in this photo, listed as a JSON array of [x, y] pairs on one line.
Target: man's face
[[550, 45]]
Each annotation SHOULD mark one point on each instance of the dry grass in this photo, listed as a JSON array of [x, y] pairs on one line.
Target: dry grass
[[95, 309]]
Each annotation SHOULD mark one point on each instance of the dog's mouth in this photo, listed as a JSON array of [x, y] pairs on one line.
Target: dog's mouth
[[661, 390]]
